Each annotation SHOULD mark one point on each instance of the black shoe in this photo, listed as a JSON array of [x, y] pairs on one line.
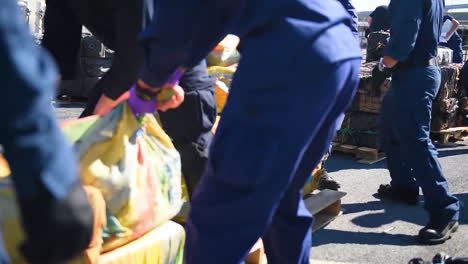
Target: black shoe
[[327, 182], [433, 235], [386, 191], [418, 261]]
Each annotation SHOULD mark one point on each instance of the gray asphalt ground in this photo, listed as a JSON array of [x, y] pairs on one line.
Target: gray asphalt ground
[[372, 231]]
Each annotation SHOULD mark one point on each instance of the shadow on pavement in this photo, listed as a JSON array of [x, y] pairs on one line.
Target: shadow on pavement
[[397, 212], [338, 161], [327, 236], [392, 212], [452, 152]]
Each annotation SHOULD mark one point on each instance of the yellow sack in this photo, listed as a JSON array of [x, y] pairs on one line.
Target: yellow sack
[[225, 53], [223, 74], [135, 166], [4, 168], [131, 162]]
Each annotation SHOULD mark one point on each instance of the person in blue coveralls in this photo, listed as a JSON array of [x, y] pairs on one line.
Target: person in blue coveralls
[[412, 159], [453, 40], [298, 73], [55, 212]]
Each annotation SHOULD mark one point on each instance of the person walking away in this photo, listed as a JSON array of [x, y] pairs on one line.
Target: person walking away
[[412, 159]]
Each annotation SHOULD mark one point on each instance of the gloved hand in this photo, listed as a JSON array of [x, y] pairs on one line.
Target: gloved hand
[[140, 102], [379, 76], [146, 100], [56, 230]]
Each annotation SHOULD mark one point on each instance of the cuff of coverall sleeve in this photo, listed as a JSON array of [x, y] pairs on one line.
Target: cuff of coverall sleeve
[[155, 78], [395, 55]]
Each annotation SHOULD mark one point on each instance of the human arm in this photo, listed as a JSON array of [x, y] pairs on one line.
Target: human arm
[[181, 37], [406, 18], [453, 29]]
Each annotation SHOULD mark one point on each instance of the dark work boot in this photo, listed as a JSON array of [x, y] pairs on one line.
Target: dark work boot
[[386, 191], [437, 234], [327, 182]]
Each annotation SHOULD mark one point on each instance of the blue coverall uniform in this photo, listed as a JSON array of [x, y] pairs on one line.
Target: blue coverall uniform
[[42, 163], [299, 70], [348, 5], [455, 43], [412, 159]]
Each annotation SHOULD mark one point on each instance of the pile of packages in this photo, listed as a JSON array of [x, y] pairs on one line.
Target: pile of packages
[[222, 64], [359, 126], [445, 106], [132, 175], [376, 43]]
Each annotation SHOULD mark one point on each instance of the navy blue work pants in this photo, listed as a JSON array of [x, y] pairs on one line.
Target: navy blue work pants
[[412, 159], [277, 125]]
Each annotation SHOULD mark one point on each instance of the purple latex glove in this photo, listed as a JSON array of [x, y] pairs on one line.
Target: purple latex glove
[[175, 77], [140, 106]]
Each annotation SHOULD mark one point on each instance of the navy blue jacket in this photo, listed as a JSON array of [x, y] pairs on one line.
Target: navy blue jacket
[[183, 32], [416, 27]]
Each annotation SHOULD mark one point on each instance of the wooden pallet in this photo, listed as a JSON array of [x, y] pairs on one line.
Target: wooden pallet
[[363, 155], [325, 206], [449, 135], [257, 254]]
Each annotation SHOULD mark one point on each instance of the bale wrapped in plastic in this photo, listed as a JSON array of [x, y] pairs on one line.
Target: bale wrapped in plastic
[[13, 233], [164, 245], [136, 167], [223, 74], [359, 129], [444, 55], [225, 53], [129, 162], [377, 41], [449, 82], [372, 89], [444, 114]]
